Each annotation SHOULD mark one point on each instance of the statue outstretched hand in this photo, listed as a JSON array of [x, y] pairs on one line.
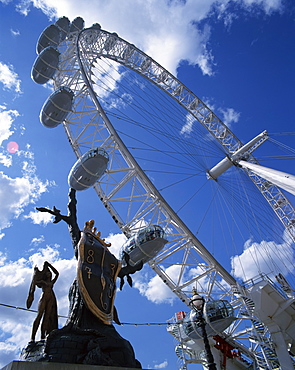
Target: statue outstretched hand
[[55, 212], [127, 270]]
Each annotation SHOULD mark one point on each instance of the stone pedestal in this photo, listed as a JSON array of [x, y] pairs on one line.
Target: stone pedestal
[[24, 365], [72, 345]]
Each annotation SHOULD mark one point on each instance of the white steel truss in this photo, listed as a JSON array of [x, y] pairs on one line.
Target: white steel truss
[[127, 192]]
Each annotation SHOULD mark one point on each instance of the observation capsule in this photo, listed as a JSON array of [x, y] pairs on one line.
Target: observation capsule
[[49, 37], [45, 65], [144, 245], [96, 26], [77, 25], [88, 169], [219, 314], [63, 24], [57, 107]]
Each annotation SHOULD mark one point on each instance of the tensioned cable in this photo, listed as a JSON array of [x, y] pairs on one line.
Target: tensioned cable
[[275, 157], [163, 151], [254, 215], [172, 155], [191, 197], [257, 227], [254, 219], [280, 133], [26, 309], [169, 164], [66, 317], [158, 131], [161, 134], [263, 225], [178, 182], [157, 149], [251, 193], [287, 148], [205, 214], [175, 107]]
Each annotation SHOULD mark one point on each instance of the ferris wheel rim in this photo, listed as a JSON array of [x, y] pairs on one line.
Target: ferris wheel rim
[[76, 146], [115, 37], [225, 274], [147, 63], [187, 99]]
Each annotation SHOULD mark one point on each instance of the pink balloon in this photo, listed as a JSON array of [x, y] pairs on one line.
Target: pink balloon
[[12, 147]]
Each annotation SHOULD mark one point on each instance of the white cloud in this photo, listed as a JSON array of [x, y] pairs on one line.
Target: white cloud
[[163, 365], [269, 6], [23, 7], [266, 257], [37, 241], [154, 289], [168, 31], [187, 128], [222, 8], [10, 350], [16, 193], [40, 218], [121, 102], [6, 119], [230, 116], [14, 32], [9, 78], [6, 160], [108, 77], [117, 240]]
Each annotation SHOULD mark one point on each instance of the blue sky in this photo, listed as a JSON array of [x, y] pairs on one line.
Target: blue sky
[[237, 56]]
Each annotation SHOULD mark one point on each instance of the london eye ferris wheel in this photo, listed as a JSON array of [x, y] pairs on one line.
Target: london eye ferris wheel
[[173, 163]]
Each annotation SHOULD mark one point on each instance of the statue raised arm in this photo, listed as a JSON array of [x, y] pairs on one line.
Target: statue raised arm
[[70, 219]]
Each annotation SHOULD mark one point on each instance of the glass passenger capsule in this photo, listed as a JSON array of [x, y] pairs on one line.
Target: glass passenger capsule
[[45, 65], [144, 245], [88, 169], [63, 24], [57, 107], [77, 25], [219, 315], [49, 37]]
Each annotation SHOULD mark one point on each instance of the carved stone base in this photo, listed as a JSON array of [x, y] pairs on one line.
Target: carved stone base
[[82, 346]]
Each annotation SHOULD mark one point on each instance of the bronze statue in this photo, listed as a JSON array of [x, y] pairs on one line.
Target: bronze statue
[[89, 336], [47, 307]]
